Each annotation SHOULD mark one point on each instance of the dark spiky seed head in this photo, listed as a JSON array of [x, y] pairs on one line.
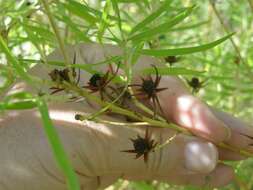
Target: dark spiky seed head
[[141, 145], [95, 80], [54, 74], [148, 86], [78, 117], [195, 82], [65, 75], [171, 59]]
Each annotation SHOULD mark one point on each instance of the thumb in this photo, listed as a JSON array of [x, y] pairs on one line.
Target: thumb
[[183, 155]]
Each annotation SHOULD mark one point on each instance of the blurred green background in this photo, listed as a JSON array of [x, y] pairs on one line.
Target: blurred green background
[[227, 68]]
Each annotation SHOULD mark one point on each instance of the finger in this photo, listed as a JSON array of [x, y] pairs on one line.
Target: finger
[[225, 154], [241, 132], [221, 176], [188, 111]]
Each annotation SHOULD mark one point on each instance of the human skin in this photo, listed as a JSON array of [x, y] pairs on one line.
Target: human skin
[[95, 149]]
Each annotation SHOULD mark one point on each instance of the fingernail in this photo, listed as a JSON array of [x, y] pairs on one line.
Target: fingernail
[[200, 157]]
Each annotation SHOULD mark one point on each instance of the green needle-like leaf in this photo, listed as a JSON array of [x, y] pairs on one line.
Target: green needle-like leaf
[[104, 20], [151, 17], [183, 51], [13, 61], [57, 147], [117, 11], [81, 11], [20, 105], [173, 71], [163, 28]]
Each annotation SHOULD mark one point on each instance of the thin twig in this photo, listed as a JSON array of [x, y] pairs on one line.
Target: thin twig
[[139, 117], [168, 141], [250, 4], [226, 29], [54, 26], [128, 124]]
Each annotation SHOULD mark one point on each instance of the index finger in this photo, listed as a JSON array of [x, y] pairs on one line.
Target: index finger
[[188, 111]]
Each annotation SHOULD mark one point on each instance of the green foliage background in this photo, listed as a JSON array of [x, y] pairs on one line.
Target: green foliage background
[[29, 36]]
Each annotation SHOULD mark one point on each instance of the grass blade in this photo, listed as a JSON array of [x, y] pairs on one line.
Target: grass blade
[[21, 105], [57, 147], [117, 11], [104, 20], [13, 61], [183, 51], [40, 31]]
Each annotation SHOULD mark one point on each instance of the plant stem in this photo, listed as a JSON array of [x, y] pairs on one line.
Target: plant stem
[[128, 124], [142, 118], [143, 107], [168, 141], [226, 29], [250, 4], [59, 39]]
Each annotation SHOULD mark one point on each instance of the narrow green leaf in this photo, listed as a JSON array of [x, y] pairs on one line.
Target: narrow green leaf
[[108, 60], [40, 31], [117, 11], [58, 150], [18, 95], [90, 10], [128, 1], [84, 67], [135, 56], [146, 3], [36, 39], [183, 51], [151, 17], [20, 105], [173, 71], [191, 26], [13, 61], [163, 28], [74, 28], [81, 11], [104, 20]]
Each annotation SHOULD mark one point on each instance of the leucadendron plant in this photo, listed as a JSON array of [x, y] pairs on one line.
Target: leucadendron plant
[[32, 29]]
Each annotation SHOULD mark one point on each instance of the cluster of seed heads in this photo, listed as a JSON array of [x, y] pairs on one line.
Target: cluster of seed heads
[[59, 76], [101, 83]]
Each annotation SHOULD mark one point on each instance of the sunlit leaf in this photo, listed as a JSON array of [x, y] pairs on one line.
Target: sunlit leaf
[[104, 20], [81, 11], [183, 51], [57, 147], [173, 71], [163, 28], [151, 17]]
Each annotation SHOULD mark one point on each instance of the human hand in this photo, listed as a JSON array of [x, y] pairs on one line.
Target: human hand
[[95, 149]]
